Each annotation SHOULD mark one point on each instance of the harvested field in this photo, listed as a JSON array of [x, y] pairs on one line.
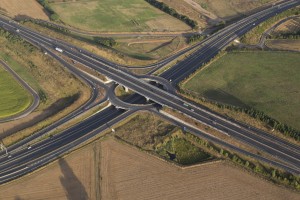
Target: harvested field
[[231, 8], [70, 178], [18, 7], [211, 12], [130, 174], [127, 173], [290, 26], [289, 45]]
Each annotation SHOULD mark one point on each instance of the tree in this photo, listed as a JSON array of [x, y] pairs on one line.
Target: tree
[[54, 17]]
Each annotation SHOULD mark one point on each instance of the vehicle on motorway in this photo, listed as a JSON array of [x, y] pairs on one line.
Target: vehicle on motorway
[[58, 49]]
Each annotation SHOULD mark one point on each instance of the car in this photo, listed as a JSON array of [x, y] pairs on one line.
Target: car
[[29, 147], [18, 30]]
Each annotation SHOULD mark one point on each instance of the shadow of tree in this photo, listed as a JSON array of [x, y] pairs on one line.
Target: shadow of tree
[[71, 184], [18, 198], [223, 97], [53, 109], [21, 17]]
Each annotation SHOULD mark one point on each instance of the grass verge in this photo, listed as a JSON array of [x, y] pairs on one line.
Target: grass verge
[[15, 98], [60, 92]]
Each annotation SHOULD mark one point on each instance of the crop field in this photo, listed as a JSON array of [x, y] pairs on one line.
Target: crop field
[[116, 16], [267, 81], [16, 98], [18, 8]]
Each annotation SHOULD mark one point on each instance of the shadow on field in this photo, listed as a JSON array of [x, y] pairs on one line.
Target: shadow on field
[[48, 112], [223, 97], [73, 187], [18, 198]]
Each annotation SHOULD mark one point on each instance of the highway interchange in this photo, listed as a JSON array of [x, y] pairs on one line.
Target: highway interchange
[[23, 160]]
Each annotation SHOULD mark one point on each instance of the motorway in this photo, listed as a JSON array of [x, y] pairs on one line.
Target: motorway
[[287, 153], [34, 94]]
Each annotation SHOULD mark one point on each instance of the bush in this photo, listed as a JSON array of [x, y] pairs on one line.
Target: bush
[[54, 17], [109, 42], [196, 38]]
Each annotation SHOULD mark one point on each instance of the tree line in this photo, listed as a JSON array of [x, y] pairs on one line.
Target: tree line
[[275, 124], [196, 38], [271, 173], [164, 7], [53, 15], [294, 35]]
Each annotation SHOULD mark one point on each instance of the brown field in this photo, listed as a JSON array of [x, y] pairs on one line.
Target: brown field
[[210, 12], [18, 7], [231, 8], [127, 173], [130, 174], [292, 25], [69, 178], [290, 45]]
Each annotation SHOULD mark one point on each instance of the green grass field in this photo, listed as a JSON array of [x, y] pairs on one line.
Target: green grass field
[[267, 81], [14, 98], [182, 151], [116, 16]]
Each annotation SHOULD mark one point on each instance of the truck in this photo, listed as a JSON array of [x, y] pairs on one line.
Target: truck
[[58, 49]]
